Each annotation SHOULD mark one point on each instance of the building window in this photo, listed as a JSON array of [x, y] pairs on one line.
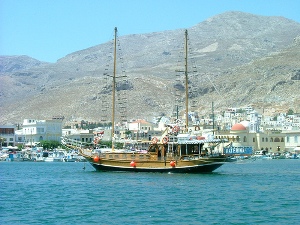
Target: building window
[[266, 139], [254, 139], [288, 139], [276, 139], [245, 139], [296, 139], [263, 139], [282, 139]]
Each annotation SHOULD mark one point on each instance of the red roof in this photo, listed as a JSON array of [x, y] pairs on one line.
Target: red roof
[[238, 126]]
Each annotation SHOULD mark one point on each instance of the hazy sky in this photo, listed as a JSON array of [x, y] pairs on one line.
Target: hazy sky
[[50, 29]]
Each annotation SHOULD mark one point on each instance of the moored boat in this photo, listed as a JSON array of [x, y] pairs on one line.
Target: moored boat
[[179, 153], [176, 151]]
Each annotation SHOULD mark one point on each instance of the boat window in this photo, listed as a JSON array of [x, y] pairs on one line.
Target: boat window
[[116, 156], [110, 156], [141, 156], [133, 156], [124, 156], [152, 149]]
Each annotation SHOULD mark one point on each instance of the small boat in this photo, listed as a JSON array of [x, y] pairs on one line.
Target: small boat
[[177, 151], [73, 157], [261, 155], [54, 156]]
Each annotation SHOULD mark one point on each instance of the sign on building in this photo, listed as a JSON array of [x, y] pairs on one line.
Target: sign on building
[[241, 150]]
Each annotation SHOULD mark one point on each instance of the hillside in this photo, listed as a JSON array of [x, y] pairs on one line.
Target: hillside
[[237, 59]]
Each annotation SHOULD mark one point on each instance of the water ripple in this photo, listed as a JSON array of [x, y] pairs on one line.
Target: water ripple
[[261, 192]]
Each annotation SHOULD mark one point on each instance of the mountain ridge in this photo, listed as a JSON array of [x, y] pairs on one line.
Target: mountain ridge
[[227, 49]]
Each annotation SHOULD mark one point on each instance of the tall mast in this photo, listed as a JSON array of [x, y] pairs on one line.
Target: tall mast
[[213, 117], [114, 92], [186, 84]]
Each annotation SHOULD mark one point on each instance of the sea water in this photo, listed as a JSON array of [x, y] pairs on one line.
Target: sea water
[[251, 192]]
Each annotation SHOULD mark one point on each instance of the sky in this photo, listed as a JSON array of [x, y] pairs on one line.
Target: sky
[[48, 30]]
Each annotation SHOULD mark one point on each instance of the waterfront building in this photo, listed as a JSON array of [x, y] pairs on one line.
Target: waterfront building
[[7, 135], [79, 135], [292, 139], [140, 129], [271, 141], [34, 131]]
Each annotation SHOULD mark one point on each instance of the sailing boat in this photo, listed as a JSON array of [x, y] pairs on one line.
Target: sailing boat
[[177, 151]]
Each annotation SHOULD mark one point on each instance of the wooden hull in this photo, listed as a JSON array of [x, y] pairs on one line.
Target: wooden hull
[[160, 158], [206, 168], [205, 165]]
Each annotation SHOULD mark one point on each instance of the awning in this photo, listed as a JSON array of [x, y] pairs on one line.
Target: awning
[[297, 149], [201, 141]]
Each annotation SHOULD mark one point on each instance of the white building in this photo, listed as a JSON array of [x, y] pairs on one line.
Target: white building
[[35, 131], [292, 139], [255, 121], [79, 135], [140, 129]]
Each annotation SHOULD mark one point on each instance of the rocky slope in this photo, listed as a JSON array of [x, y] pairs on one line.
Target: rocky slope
[[235, 59]]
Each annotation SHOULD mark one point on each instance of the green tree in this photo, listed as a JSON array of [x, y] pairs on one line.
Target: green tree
[[128, 133], [109, 144], [2, 140], [50, 144], [106, 143], [290, 112]]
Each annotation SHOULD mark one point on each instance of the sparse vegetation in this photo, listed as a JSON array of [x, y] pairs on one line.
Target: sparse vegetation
[[231, 70]]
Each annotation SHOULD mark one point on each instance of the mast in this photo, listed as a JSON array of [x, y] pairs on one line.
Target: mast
[[186, 85], [114, 92], [213, 117]]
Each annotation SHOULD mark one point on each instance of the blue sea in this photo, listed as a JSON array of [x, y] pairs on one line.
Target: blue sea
[[251, 192]]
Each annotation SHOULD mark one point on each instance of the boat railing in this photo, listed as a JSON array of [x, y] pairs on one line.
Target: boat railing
[[190, 157], [86, 151], [123, 155]]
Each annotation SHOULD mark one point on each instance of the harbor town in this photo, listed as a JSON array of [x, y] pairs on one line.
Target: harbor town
[[247, 132]]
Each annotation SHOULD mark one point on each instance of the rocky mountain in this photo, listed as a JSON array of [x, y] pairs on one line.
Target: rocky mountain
[[14, 63], [235, 59]]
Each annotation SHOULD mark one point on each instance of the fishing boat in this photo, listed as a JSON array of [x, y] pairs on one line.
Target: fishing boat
[[177, 151]]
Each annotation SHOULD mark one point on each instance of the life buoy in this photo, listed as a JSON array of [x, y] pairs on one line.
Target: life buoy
[[200, 138], [96, 140], [176, 129], [154, 140], [165, 140]]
